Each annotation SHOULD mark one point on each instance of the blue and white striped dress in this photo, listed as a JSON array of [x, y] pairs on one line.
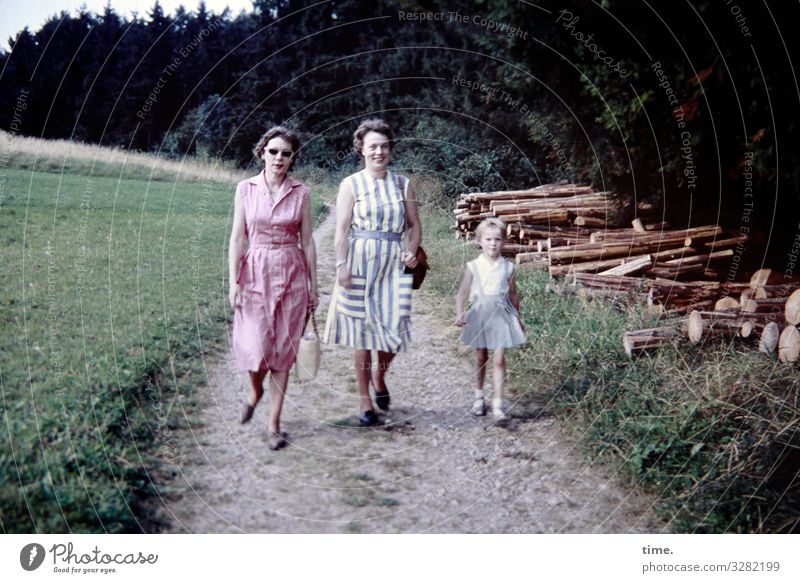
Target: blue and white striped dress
[[375, 314]]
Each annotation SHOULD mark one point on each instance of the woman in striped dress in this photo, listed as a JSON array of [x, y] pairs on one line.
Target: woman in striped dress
[[371, 304]]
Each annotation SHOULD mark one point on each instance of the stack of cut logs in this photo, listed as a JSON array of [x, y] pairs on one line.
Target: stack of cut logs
[[563, 228], [767, 313]]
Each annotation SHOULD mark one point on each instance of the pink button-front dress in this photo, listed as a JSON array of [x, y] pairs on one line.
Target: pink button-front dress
[[273, 277]]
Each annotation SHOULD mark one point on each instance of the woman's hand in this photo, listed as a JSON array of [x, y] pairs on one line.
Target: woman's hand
[[235, 296], [343, 277], [409, 259], [460, 320]]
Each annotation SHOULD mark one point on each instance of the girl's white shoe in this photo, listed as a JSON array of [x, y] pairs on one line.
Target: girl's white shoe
[[497, 410], [479, 408]]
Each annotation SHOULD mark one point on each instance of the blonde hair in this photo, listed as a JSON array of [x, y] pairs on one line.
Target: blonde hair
[[491, 223]]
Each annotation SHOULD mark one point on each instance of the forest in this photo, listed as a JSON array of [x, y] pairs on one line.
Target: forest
[[689, 106]]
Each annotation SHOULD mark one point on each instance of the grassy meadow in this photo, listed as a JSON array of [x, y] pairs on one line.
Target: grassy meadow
[[114, 290], [710, 430]]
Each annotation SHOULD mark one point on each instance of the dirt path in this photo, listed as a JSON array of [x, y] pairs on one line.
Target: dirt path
[[431, 468]]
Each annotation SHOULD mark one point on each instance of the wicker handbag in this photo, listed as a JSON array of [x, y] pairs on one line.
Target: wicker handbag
[[308, 353]]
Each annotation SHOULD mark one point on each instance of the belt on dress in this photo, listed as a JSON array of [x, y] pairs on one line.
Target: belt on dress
[[286, 243], [385, 235]]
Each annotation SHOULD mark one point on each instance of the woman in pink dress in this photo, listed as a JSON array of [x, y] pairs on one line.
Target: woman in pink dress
[[273, 274]]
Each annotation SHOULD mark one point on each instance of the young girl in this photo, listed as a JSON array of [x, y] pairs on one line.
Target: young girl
[[492, 321]]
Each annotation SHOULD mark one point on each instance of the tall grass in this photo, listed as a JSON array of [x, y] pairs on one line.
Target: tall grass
[[114, 292], [711, 431], [68, 157]]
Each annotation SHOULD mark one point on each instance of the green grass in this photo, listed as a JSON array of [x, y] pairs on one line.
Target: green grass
[[114, 290], [710, 431]]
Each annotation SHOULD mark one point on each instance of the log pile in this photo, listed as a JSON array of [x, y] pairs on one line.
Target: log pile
[[566, 230], [772, 321]]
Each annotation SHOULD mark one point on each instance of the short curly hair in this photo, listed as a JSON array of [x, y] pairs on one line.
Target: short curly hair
[[490, 223], [371, 125], [277, 132]]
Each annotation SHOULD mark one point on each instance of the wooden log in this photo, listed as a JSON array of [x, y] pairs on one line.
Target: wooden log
[[760, 278], [544, 191], [769, 338], [556, 217], [637, 341], [670, 272], [792, 308], [675, 253], [630, 267], [605, 281], [695, 233], [603, 250], [718, 244], [789, 344], [754, 323], [765, 305], [704, 258], [533, 257], [589, 222], [725, 304], [593, 201], [585, 266], [702, 323]]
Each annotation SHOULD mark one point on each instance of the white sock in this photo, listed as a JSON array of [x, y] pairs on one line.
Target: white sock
[[478, 394]]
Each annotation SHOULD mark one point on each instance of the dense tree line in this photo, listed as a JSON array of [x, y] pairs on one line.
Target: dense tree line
[[689, 105]]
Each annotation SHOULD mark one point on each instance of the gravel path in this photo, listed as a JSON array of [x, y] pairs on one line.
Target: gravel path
[[431, 468]]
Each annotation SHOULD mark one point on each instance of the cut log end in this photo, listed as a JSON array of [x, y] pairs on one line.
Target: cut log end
[[769, 338], [792, 309], [789, 344], [695, 327], [724, 304]]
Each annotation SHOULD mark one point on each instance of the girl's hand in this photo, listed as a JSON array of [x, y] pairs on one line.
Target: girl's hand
[[235, 296], [344, 277], [409, 259], [460, 320], [313, 302]]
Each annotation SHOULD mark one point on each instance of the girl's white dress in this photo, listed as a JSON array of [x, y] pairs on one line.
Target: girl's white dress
[[491, 321]]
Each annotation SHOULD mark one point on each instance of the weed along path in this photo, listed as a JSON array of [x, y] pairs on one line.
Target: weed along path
[[431, 468]]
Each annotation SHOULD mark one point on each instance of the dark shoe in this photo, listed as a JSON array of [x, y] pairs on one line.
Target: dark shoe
[[275, 441], [247, 413], [368, 419], [382, 399]]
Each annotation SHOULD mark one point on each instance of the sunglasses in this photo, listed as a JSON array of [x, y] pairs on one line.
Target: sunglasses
[[284, 153]]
